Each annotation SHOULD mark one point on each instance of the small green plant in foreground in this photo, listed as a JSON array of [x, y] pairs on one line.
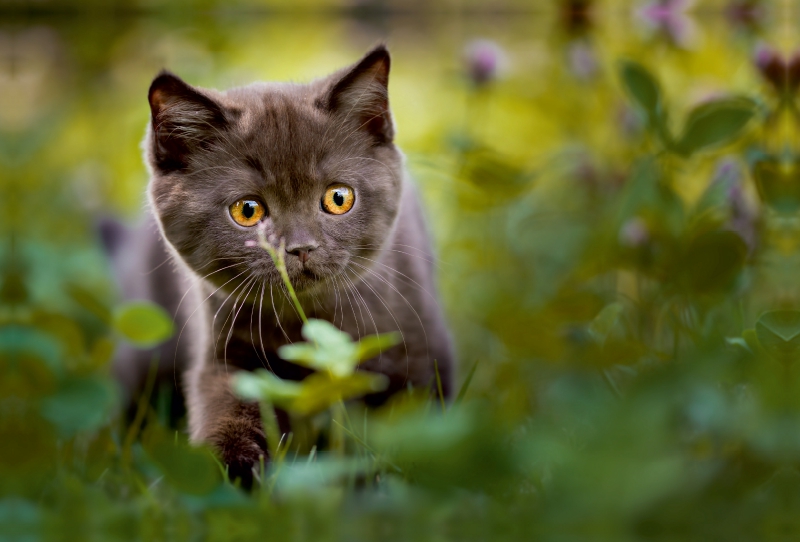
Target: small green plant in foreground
[[329, 351]]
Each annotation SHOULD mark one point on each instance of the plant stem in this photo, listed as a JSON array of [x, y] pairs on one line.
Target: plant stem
[[280, 262], [271, 428]]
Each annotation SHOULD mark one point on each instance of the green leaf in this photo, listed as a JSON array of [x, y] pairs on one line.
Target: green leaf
[[778, 183], [641, 86], [143, 323], [712, 260], [324, 333], [321, 390], [80, 404], [739, 342], [315, 393], [371, 346], [779, 333], [191, 469], [263, 385], [715, 123], [604, 322], [331, 349]]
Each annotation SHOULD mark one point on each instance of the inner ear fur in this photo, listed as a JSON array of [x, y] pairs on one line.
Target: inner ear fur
[[183, 120], [360, 94]]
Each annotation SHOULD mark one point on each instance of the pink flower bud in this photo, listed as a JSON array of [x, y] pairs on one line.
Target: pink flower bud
[[485, 61], [634, 233]]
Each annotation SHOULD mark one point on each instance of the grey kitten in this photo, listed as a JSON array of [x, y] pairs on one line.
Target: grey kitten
[[316, 166]]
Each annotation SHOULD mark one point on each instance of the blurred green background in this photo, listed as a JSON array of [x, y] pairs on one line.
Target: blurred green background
[[613, 189]]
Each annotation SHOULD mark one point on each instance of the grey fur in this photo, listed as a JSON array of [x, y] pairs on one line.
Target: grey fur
[[370, 271]]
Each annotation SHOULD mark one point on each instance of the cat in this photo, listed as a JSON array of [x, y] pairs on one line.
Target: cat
[[316, 166]]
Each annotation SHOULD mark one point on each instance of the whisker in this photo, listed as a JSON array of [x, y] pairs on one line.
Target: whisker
[[366, 306], [235, 316], [277, 317], [216, 314], [201, 279], [410, 306], [414, 282], [180, 334], [436, 262], [260, 327]]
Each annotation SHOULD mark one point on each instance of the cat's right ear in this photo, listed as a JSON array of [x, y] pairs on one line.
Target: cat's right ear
[[183, 120], [360, 95]]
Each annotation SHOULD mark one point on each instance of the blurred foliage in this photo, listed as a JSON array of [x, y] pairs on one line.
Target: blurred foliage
[[613, 190]]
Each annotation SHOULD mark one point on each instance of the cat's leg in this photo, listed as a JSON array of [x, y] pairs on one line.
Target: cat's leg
[[233, 427]]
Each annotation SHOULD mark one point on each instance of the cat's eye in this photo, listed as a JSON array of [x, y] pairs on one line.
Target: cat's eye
[[247, 212], [338, 199]]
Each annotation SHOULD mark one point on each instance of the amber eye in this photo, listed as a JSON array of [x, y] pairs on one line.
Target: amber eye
[[247, 212], [338, 199]]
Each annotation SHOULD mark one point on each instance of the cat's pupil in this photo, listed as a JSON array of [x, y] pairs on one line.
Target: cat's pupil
[[248, 210], [338, 198]]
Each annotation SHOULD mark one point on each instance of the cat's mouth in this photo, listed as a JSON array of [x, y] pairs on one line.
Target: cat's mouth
[[305, 279]]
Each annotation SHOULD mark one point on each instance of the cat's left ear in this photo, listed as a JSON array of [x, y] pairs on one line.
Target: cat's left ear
[[183, 120], [361, 95]]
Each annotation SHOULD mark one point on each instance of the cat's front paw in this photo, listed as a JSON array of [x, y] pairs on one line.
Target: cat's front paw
[[241, 448]]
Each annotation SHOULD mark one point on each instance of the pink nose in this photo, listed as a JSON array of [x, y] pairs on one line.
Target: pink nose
[[301, 252]]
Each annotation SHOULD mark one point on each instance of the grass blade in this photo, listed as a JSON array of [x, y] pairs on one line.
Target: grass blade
[[463, 391]]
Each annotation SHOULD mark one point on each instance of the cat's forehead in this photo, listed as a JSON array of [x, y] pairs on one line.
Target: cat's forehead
[[272, 105], [279, 124]]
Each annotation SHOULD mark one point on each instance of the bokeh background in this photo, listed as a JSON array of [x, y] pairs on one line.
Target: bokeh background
[[623, 306]]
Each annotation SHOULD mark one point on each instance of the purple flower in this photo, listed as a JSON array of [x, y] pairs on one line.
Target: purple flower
[[745, 13], [742, 212], [582, 60], [485, 61], [671, 17], [781, 72], [634, 233]]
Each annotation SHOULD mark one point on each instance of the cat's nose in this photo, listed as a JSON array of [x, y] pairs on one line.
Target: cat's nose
[[301, 251]]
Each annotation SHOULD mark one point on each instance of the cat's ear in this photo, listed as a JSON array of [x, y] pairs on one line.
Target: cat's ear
[[360, 94], [183, 120]]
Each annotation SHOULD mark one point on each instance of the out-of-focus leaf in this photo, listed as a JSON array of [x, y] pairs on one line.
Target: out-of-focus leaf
[[778, 183], [604, 322], [321, 390], [371, 346], [491, 179], [331, 349], [143, 323], [79, 404], [16, 340], [713, 209], [739, 342], [314, 394], [750, 337], [324, 333], [714, 123], [62, 328], [328, 349], [101, 352], [711, 261], [304, 478], [647, 194], [88, 300], [460, 450], [262, 385], [779, 333], [641, 86], [191, 469]]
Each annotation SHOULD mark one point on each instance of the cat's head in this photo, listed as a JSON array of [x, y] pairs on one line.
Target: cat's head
[[311, 164]]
